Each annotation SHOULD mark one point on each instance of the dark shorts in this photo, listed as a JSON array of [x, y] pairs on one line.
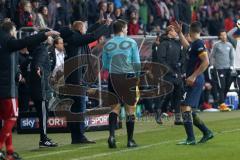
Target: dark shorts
[[124, 87], [193, 94], [8, 108]]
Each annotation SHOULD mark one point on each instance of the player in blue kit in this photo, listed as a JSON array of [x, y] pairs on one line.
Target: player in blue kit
[[196, 64]]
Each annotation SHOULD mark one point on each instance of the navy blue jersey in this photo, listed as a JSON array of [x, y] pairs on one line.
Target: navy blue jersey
[[195, 49]]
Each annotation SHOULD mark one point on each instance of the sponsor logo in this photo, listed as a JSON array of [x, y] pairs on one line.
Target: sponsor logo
[[57, 122], [99, 120], [33, 123], [29, 123]]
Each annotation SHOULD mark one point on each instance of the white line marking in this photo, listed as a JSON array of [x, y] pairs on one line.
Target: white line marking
[[142, 147], [87, 147], [116, 152], [54, 153]]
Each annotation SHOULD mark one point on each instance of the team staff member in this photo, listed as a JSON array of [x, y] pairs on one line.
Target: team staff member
[[121, 59], [234, 39], [40, 90], [222, 59], [197, 63], [9, 80], [170, 54], [77, 41]]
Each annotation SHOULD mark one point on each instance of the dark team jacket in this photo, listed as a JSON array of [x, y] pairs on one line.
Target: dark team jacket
[[40, 89], [169, 53], [77, 44], [8, 61]]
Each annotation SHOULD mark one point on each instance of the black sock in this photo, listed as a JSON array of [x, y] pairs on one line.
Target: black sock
[[188, 125], [112, 123], [130, 126], [177, 117], [199, 123]]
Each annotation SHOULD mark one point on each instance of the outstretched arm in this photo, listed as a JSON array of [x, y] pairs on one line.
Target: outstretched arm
[[178, 29]]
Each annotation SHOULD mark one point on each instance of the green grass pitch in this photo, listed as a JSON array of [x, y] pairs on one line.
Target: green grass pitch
[[156, 142]]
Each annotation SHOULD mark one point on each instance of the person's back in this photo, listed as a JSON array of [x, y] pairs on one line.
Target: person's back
[[121, 51], [121, 58]]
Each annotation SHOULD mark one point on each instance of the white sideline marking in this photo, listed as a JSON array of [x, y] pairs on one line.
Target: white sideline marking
[[87, 147], [123, 151], [142, 147], [59, 152], [116, 152]]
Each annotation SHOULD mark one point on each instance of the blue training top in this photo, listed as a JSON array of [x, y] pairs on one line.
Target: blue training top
[[121, 56]]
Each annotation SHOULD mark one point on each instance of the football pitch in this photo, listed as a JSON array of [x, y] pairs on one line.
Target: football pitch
[[156, 142]]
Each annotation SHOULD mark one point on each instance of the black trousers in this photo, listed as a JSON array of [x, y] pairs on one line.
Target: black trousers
[[39, 90], [42, 113], [225, 81], [174, 97], [24, 97], [78, 128]]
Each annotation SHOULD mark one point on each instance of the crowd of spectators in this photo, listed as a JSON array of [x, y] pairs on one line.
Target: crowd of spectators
[[143, 16]]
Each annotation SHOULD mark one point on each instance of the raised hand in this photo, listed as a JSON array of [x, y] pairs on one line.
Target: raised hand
[[177, 26]]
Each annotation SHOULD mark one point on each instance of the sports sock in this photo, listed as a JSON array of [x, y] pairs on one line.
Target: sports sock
[[199, 123], [130, 121], [188, 125], [112, 123]]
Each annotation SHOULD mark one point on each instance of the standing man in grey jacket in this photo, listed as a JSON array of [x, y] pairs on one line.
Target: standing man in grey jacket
[[222, 59]]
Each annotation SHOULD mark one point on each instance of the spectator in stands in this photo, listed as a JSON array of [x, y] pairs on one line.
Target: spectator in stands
[[92, 12], [117, 3], [229, 22], [80, 10], [132, 6], [52, 13], [12, 10], [102, 6], [57, 55], [151, 24], [185, 13], [165, 14], [118, 13], [143, 14], [63, 17], [35, 7], [133, 27], [110, 10], [215, 24], [42, 17], [3, 11], [26, 18], [222, 58]]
